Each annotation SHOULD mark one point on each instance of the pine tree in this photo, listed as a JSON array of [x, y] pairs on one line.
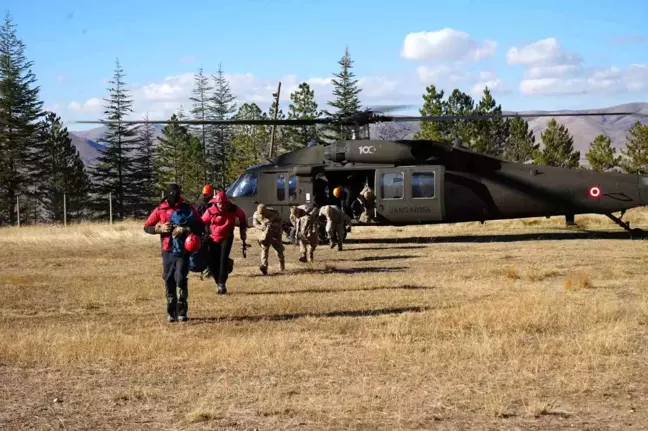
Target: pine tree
[[249, 146], [143, 164], [303, 107], [490, 134], [20, 111], [521, 144], [460, 103], [222, 107], [635, 155], [200, 111], [59, 171], [601, 155], [347, 102], [559, 147], [169, 155], [113, 172], [179, 158], [433, 104]]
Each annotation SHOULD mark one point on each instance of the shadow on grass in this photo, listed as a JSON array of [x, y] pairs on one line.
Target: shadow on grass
[[540, 236], [330, 269], [294, 316], [362, 289]]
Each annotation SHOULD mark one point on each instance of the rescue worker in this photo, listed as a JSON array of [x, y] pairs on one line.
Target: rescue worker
[[203, 202], [268, 222], [336, 221], [306, 225], [201, 205], [221, 218], [175, 267]]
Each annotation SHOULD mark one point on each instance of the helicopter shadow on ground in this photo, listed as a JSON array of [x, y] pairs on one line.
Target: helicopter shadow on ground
[[295, 316], [544, 236], [362, 289]]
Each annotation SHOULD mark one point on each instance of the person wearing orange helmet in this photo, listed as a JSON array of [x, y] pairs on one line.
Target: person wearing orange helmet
[[203, 201], [221, 218], [175, 262]]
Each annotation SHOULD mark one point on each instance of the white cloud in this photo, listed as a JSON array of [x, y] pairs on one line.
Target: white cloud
[[545, 52], [552, 70], [490, 80], [92, 105], [446, 45]]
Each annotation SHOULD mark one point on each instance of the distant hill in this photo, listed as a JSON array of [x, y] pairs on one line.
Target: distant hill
[[86, 141], [583, 129]]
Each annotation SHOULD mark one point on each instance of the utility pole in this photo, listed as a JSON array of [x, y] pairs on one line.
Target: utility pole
[[110, 205], [274, 126], [18, 209], [64, 210]]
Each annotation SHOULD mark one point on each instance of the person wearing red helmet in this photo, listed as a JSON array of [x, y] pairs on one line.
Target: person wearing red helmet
[[221, 218], [175, 265]]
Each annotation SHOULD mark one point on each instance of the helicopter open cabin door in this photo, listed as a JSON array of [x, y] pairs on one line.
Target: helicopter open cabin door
[[410, 194]]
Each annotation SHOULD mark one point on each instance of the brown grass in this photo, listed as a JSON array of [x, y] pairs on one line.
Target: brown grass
[[452, 326]]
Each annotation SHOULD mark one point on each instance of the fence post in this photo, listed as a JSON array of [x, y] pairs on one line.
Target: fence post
[[64, 210], [18, 209], [110, 205]]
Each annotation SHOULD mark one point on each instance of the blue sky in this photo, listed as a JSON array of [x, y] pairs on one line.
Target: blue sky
[[593, 54]]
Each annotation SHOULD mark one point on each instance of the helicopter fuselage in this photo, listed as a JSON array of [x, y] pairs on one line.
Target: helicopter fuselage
[[425, 182]]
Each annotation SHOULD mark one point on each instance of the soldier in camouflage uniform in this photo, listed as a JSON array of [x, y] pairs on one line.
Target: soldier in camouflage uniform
[[268, 222], [336, 222], [304, 220]]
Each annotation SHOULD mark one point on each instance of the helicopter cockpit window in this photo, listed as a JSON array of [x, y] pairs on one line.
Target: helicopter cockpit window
[[292, 187], [423, 185], [281, 188], [246, 185], [391, 185]]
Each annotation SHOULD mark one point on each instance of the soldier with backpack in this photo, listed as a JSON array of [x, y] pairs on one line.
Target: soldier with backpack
[[221, 218], [173, 219], [305, 222], [268, 222]]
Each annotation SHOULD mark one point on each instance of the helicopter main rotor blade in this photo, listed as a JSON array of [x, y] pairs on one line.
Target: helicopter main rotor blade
[[362, 118]]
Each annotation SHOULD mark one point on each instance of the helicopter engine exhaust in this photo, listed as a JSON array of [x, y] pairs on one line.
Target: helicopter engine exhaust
[[365, 151]]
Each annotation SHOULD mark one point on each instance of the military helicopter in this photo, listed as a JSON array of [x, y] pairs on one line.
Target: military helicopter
[[428, 182]]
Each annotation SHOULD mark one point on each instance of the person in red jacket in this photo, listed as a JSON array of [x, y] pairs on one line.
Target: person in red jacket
[[175, 265], [221, 218]]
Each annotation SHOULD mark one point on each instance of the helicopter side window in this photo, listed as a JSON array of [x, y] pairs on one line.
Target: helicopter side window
[[292, 187], [246, 185], [281, 188], [391, 185], [423, 185]]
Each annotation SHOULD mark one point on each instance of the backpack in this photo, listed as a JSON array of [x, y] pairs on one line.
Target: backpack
[[184, 217]]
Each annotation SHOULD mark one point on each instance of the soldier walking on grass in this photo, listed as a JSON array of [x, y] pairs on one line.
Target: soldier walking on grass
[[306, 227], [336, 222], [268, 222]]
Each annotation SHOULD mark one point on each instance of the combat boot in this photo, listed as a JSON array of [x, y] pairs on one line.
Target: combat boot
[[282, 265], [264, 269], [302, 258]]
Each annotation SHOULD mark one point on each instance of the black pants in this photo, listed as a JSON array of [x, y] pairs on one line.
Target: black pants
[[218, 254], [175, 274]]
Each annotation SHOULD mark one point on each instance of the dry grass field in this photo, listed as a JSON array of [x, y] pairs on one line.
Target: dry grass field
[[507, 325]]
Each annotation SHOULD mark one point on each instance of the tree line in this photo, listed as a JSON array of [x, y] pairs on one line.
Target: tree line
[[40, 165]]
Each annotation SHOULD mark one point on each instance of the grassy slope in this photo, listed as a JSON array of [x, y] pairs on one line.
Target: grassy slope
[[450, 326]]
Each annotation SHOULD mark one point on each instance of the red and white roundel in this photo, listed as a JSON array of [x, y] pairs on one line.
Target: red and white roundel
[[595, 191]]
